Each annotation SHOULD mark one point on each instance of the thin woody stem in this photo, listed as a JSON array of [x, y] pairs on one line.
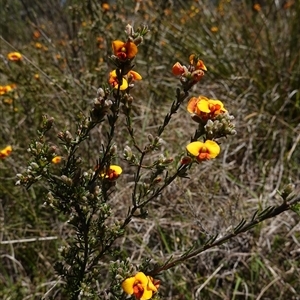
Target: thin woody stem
[[244, 226]]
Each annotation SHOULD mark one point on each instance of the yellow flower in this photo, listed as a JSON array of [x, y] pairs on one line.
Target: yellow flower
[[113, 80], [5, 152], [56, 159], [203, 151], [105, 6], [124, 50], [112, 173], [14, 56], [205, 108], [257, 7], [38, 45], [214, 29], [7, 88], [141, 286]]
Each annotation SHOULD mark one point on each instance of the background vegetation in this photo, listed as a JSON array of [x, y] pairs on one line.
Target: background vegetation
[[252, 55]]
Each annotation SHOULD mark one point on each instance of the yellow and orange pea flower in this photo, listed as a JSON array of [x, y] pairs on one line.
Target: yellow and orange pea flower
[[6, 88], [14, 56], [129, 77], [5, 152], [112, 173], [203, 151], [141, 286], [197, 63], [56, 159], [123, 50], [113, 81], [205, 108]]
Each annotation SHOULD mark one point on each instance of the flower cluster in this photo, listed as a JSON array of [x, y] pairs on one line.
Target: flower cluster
[[5, 152], [4, 89], [123, 76], [210, 114], [141, 286], [191, 74]]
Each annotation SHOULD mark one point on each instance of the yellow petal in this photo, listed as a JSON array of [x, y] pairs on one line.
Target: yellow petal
[[147, 294], [150, 285], [213, 148], [127, 285], [142, 278], [116, 168], [124, 85], [194, 148], [202, 105]]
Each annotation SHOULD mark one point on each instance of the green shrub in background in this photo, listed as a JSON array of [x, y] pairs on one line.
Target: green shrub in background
[[253, 66]]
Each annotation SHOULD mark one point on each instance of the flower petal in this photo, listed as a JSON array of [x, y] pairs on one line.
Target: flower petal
[[194, 148], [192, 104], [131, 49], [116, 168], [127, 285], [134, 75], [117, 45], [203, 105], [213, 148]]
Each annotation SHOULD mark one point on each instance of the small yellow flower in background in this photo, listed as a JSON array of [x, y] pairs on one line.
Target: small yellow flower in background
[[8, 101], [205, 108], [36, 76], [113, 81], [5, 152], [214, 29], [56, 159], [36, 34], [14, 56], [112, 173], [105, 6], [257, 7], [38, 45], [203, 151], [141, 286], [123, 50], [6, 88]]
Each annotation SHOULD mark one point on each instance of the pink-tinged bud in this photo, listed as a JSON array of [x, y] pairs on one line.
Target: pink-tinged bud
[[197, 75], [186, 160], [178, 69]]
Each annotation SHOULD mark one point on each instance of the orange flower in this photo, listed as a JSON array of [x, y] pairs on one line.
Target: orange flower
[[179, 69], [198, 63], [141, 286], [105, 6], [203, 151], [56, 159], [257, 7], [7, 88], [205, 108], [36, 34], [132, 75], [14, 56], [113, 80], [214, 29], [5, 152], [123, 50], [112, 173]]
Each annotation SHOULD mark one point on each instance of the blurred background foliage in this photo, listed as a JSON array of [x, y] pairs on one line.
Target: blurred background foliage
[[251, 50]]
